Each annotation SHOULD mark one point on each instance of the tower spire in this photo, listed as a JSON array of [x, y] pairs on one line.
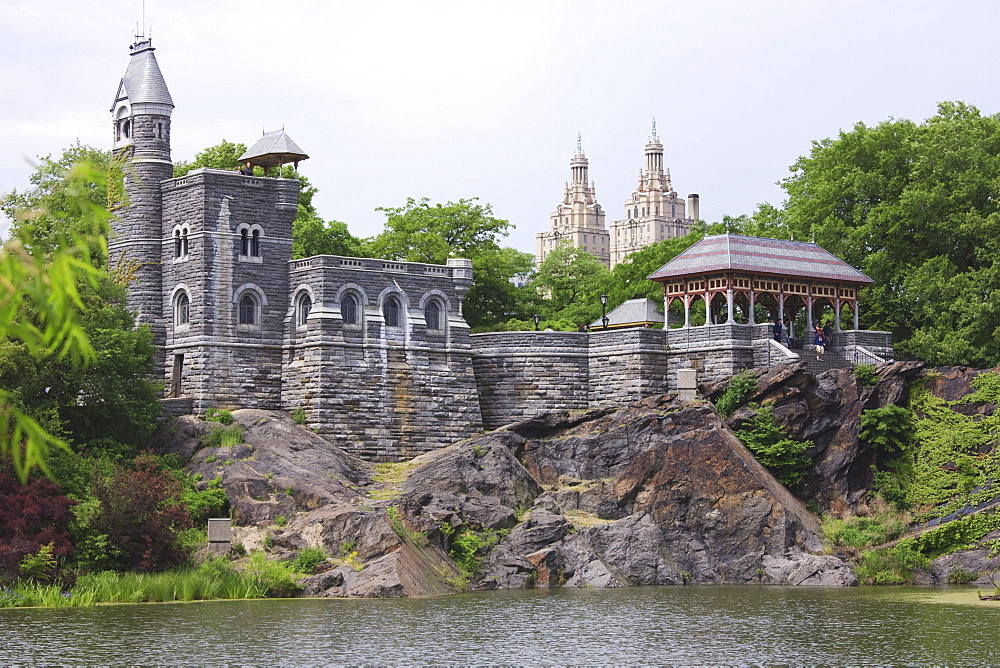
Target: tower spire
[[653, 133]]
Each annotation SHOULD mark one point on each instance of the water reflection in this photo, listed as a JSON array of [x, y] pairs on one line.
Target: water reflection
[[641, 625]]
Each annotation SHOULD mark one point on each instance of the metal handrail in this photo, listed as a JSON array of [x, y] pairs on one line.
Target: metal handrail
[[861, 352]]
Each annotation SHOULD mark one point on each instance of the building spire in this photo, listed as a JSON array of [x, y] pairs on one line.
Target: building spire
[[653, 133], [579, 144]]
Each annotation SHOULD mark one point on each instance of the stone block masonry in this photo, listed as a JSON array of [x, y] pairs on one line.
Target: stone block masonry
[[384, 386], [521, 374]]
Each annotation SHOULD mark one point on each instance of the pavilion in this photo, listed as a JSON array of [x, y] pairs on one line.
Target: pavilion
[[733, 274], [748, 283]]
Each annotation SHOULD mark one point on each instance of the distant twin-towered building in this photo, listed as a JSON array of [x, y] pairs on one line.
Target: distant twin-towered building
[[653, 212]]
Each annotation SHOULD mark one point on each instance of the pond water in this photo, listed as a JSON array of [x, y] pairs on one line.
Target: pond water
[[705, 625]]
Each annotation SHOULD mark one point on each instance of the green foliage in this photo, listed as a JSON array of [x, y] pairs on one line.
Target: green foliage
[[276, 578], [951, 461], [299, 415], [629, 279], [224, 155], [398, 524], [280, 520], [223, 437], [959, 575], [863, 532], [219, 415], [308, 559], [889, 428], [203, 504], [892, 565], [914, 206], [865, 373], [741, 387], [466, 546], [41, 565], [571, 281], [423, 232], [311, 235], [59, 239], [959, 534], [784, 457]]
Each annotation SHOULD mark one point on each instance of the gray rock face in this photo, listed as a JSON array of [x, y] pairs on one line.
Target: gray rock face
[[654, 493], [826, 409]]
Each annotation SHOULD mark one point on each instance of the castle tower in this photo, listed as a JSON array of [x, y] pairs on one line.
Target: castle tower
[[141, 130], [654, 212], [578, 219]]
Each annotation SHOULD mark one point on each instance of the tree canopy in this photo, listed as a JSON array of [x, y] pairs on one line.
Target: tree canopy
[[916, 206], [423, 232]]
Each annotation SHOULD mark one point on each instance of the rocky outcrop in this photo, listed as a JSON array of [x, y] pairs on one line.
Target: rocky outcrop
[[654, 493], [826, 409]]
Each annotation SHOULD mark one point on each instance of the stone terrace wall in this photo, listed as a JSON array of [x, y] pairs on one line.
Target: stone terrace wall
[[385, 393], [521, 374], [627, 365], [847, 342], [716, 351]]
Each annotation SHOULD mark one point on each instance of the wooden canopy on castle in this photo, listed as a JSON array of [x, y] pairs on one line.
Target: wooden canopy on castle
[[741, 273], [274, 149]]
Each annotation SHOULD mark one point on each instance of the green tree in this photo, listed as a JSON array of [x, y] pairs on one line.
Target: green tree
[[572, 281], [40, 295], [423, 232], [916, 207], [224, 155], [629, 279]]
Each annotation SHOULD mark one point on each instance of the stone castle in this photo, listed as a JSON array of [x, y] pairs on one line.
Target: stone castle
[[375, 353], [653, 212]]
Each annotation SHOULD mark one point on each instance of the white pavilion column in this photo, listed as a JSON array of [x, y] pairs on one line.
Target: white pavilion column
[[729, 305], [781, 309], [836, 316], [687, 310], [752, 300], [856, 315], [809, 312], [708, 309]]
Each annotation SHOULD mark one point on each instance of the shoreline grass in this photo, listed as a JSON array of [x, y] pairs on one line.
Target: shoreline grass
[[215, 579]]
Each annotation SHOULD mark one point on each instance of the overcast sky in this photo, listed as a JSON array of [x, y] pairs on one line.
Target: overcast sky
[[475, 99]]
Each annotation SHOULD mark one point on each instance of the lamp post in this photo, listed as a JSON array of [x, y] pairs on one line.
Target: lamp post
[[536, 321], [604, 311]]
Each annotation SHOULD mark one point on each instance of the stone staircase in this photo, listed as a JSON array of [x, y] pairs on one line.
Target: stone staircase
[[831, 360]]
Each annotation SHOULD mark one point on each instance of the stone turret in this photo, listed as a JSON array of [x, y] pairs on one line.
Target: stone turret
[[140, 116]]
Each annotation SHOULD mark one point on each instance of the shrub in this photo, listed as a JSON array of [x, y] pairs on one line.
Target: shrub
[[31, 516], [784, 457], [959, 575], [741, 388], [865, 373], [868, 531], [219, 415], [889, 428], [223, 437], [274, 577], [308, 559], [299, 415], [466, 546], [140, 513], [892, 565]]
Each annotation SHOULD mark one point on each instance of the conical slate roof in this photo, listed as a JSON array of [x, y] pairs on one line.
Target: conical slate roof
[[779, 257], [273, 149], [143, 82]]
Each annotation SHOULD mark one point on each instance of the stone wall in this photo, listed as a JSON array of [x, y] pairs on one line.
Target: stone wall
[[521, 374], [716, 351], [847, 343], [381, 391]]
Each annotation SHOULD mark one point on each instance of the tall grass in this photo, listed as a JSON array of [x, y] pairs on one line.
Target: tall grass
[[214, 579]]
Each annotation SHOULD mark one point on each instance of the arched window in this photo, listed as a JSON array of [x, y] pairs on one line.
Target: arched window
[[184, 241], [182, 312], [433, 315], [349, 310], [391, 312], [248, 310], [244, 242], [305, 305], [177, 243], [255, 244]]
